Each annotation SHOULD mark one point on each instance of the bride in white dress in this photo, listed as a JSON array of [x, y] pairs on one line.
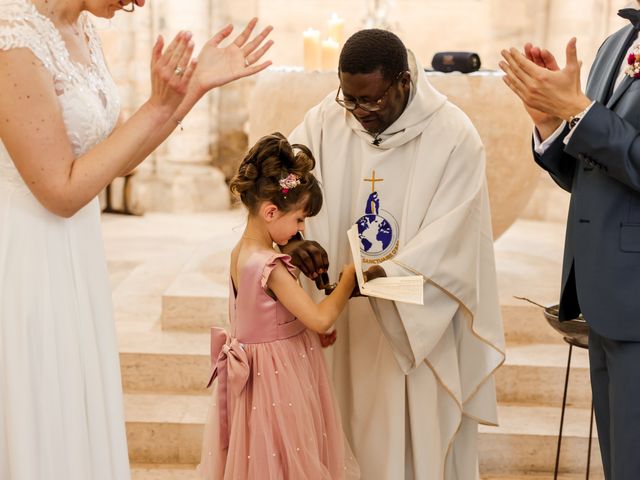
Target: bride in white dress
[[61, 143]]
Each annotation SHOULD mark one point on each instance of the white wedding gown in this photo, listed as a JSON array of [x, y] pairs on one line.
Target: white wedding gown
[[61, 414]]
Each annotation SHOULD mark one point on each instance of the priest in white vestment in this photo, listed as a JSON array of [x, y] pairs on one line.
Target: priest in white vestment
[[408, 167]]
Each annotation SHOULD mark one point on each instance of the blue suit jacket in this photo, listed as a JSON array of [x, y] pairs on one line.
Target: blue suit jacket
[[600, 166]]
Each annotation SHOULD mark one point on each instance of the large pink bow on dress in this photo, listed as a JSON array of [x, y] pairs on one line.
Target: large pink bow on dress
[[230, 364]]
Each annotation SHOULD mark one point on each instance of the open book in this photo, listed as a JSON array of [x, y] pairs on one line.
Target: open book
[[400, 289]]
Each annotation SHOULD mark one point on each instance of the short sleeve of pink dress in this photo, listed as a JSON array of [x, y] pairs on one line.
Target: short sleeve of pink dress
[[273, 261], [282, 421]]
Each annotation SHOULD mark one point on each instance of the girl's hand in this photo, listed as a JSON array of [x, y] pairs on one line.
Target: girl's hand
[[348, 273], [171, 71], [348, 269], [328, 339], [218, 66]]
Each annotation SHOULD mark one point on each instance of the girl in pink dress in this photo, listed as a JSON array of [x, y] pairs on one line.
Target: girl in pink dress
[[273, 415]]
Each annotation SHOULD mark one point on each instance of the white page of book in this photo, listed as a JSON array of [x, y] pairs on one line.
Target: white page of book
[[401, 289]]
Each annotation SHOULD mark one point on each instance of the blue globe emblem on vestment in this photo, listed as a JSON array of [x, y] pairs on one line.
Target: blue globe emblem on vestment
[[377, 230], [376, 234]]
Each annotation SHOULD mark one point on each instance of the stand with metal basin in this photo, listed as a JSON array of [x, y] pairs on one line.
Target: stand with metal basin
[[576, 333]]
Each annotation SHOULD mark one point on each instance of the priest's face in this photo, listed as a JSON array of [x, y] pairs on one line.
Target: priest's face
[[387, 97]]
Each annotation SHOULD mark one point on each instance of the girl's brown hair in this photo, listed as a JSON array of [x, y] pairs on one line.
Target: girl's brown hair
[[270, 160]]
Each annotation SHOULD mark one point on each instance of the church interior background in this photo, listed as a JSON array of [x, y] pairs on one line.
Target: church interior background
[[168, 263]]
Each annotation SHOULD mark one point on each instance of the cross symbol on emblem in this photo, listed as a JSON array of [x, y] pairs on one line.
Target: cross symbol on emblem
[[373, 181]]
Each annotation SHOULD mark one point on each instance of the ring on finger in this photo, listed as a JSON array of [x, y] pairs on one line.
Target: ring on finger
[[179, 71], [246, 62]]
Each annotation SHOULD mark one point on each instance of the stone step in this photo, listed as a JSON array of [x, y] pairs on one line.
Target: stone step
[[526, 441], [160, 254], [163, 472], [188, 472], [542, 476], [524, 323], [151, 359], [528, 259], [195, 302], [167, 429], [175, 361], [171, 354], [535, 374], [529, 265], [198, 296], [158, 361]]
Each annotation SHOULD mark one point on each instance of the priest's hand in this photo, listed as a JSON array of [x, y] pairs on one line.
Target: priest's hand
[[556, 94], [328, 339], [375, 271], [310, 258]]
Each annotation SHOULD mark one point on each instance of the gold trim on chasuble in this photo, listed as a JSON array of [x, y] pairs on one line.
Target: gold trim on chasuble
[[459, 403]]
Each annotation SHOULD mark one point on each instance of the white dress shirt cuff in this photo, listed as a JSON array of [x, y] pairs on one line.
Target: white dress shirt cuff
[[540, 146]]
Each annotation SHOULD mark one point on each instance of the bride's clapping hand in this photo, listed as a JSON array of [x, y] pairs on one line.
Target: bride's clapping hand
[[218, 66], [171, 71]]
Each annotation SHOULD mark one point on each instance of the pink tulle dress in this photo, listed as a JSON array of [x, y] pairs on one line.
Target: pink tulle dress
[[272, 414]]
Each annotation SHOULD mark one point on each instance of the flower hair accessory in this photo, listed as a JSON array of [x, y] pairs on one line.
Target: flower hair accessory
[[633, 63], [290, 182]]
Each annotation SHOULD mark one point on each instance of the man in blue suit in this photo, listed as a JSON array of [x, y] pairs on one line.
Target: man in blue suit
[[589, 142]]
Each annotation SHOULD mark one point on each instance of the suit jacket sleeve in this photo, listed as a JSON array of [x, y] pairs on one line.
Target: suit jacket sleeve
[[560, 165], [605, 140]]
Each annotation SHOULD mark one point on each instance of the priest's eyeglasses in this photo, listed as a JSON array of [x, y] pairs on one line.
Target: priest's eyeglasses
[[130, 8], [372, 106]]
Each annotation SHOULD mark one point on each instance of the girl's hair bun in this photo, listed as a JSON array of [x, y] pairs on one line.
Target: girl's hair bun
[[270, 160]]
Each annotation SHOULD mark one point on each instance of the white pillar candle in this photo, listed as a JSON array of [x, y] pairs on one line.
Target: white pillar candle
[[312, 55], [330, 54], [336, 28]]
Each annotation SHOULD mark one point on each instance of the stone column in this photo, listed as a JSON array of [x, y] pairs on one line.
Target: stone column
[[180, 175], [232, 109]]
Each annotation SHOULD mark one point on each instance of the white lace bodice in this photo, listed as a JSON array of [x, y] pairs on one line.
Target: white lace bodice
[[87, 95]]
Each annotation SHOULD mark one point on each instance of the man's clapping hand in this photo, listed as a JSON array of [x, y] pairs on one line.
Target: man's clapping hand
[[549, 93]]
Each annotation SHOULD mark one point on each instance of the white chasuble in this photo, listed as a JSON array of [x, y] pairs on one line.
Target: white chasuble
[[412, 381]]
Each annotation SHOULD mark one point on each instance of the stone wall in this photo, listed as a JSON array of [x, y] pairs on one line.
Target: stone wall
[[187, 173]]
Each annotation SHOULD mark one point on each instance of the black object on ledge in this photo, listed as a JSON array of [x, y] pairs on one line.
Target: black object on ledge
[[465, 62]]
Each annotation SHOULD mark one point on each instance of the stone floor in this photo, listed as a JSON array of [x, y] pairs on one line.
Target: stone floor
[[169, 278]]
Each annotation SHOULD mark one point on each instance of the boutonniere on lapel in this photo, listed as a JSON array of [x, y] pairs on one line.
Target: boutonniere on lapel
[[633, 63]]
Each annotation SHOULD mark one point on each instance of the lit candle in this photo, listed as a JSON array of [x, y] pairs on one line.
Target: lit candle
[[330, 54], [312, 55], [336, 28]]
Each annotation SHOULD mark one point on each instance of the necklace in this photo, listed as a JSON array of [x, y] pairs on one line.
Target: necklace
[[75, 29], [252, 238]]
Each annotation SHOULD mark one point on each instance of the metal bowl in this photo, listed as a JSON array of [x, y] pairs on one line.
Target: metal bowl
[[575, 331]]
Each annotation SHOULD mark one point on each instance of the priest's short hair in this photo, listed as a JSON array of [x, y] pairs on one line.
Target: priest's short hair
[[374, 49]]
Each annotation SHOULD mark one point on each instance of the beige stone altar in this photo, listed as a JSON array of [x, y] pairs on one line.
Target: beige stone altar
[[281, 96]]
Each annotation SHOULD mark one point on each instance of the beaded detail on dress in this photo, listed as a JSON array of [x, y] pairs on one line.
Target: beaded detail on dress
[[88, 97]]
